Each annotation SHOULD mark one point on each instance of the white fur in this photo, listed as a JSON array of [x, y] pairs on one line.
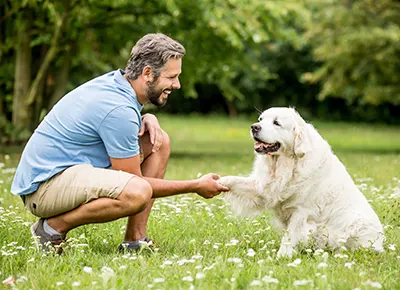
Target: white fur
[[307, 188]]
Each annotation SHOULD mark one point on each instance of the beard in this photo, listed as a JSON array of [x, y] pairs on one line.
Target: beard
[[154, 94]]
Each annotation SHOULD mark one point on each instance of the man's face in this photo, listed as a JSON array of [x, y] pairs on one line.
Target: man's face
[[159, 89]]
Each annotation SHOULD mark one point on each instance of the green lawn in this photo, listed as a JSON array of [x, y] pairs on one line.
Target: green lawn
[[202, 246]]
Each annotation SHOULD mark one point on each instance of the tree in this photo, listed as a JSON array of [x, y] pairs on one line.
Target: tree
[[358, 44], [56, 41]]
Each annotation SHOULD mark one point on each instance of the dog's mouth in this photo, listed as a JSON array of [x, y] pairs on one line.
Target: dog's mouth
[[264, 148]]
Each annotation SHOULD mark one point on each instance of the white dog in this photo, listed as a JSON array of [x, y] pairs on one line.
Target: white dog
[[297, 176]]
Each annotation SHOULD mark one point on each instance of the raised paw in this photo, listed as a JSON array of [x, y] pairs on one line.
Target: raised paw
[[228, 181]]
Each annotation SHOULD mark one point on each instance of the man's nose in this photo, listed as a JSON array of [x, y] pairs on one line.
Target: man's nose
[[255, 128], [176, 84]]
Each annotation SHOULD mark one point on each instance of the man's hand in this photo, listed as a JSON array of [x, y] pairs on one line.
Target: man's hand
[[150, 123], [209, 187]]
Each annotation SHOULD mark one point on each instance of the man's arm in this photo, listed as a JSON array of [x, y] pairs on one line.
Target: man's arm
[[206, 186]]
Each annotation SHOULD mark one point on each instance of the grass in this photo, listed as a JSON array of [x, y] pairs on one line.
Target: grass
[[202, 246]]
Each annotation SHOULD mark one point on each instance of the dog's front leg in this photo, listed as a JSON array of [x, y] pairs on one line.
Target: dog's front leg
[[243, 196], [239, 184], [299, 230]]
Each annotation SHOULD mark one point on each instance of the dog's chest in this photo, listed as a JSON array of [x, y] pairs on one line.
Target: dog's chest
[[283, 213], [274, 173]]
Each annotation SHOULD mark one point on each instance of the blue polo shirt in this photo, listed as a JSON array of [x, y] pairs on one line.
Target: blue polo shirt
[[98, 120]]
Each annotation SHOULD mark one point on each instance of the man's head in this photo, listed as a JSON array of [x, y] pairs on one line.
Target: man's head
[[158, 58]]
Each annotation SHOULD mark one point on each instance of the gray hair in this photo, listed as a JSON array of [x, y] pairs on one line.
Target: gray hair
[[153, 50]]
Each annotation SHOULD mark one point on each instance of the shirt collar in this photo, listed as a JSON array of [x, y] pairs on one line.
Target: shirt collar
[[119, 78]]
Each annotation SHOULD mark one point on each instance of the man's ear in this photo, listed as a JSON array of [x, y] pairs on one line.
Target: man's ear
[[302, 142], [147, 73]]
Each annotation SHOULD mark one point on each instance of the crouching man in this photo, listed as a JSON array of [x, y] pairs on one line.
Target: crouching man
[[94, 158]]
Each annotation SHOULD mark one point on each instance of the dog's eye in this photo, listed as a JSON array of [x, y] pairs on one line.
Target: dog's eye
[[276, 123], [259, 119]]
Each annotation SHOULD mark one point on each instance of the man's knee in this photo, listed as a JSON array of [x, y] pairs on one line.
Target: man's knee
[[136, 194], [147, 146], [166, 145]]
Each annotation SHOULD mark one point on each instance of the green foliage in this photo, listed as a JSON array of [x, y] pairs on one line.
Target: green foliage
[[240, 54], [358, 45]]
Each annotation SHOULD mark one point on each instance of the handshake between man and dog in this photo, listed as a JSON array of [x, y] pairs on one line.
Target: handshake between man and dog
[[297, 176]]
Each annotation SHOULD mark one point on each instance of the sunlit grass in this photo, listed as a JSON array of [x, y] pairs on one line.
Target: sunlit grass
[[202, 246]]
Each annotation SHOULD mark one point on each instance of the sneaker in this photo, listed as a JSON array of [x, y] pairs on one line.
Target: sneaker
[[45, 241], [136, 245]]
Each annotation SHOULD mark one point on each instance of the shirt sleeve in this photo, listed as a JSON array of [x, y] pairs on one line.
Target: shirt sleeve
[[119, 131]]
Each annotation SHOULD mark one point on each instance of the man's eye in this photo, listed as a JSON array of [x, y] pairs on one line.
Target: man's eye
[[276, 123]]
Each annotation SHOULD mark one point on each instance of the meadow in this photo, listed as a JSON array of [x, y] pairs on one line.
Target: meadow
[[201, 244]]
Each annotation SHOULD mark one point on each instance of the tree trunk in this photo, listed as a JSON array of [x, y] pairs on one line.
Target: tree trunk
[[1, 33], [22, 80], [51, 53], [1, 57], [38, 105], [232, 112], [61, 78]]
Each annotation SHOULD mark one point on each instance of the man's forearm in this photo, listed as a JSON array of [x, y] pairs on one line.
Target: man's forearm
[[163, 188]]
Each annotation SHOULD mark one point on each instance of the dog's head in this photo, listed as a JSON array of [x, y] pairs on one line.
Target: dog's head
[[281, 131]]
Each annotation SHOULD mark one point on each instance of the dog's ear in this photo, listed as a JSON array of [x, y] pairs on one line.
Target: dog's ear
[[302, 142]]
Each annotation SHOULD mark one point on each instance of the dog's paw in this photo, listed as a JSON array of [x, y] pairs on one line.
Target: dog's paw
[[285, 251], [228, 181]]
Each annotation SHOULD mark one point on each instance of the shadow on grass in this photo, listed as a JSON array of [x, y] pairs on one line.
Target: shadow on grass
[[236, 154], [380, 151], [201, 155]]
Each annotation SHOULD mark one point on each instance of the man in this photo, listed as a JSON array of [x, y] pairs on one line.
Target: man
[[95, 159]]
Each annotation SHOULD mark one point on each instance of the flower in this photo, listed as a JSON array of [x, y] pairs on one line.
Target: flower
[[322, 265], [187, 278], [200, 275], [302, 282], [251, 253], [209, 267], [372, 284], [22, 279], [185, 261], [9, 281], [269, 279], [235, 260], [88, 270], [295, 263], [255, 283], [341, 256], [159, 280], [166, 262], [197, 256]]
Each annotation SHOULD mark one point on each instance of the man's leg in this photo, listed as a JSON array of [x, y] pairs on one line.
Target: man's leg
[[133, 199], [154, 165]]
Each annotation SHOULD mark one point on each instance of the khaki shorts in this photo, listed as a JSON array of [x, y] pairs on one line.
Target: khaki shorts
[[74, 186]]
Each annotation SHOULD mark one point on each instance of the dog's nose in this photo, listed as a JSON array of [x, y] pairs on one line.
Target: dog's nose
[[255, 128]]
